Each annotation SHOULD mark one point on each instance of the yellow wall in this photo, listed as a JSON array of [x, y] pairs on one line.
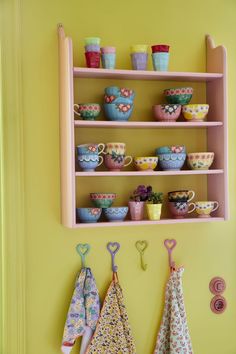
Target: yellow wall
[[206, 250]]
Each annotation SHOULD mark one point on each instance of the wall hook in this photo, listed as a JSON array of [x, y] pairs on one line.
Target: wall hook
[[113, 248], [83, 249], [170, 245], [141, 247]]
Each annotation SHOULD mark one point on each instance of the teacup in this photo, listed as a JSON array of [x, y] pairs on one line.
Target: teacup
[[180, 209], [115, 148], [88, 163], [205, 208], [115, 162], [181, 196], [89, 149], [88, 111]]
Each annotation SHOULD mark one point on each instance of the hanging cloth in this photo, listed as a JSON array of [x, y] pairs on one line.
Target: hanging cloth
[[83, 312], [113, 332], [173, 336]]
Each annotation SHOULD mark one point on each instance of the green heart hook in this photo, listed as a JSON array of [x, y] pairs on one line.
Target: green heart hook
[[141, 247]]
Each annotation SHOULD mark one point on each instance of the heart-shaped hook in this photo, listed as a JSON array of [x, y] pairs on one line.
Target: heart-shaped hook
[[83, 249], [141, 246], [113, 247], [170, 244]]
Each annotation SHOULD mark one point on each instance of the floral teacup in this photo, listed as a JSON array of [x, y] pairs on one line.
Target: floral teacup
[[180, 209], [88, 149], [115, 162], [205, 208]]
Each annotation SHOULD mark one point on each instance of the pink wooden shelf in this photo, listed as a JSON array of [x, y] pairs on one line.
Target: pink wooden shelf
[[145, 75], [148, 173], [130, 124], [147, 222]]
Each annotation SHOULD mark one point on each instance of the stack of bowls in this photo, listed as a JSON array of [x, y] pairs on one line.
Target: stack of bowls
[[108, 57], [92, 52], [160, 57], [118, 103], [171, 158], [105, 201], [139, 56]]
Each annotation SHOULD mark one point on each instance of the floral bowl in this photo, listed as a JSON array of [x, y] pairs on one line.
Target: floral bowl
[[148, 163], [195, 112], [118, 111], [117, 99], [171, 162], [102, 200], [166, 112], [120, 92], [116, 213], [174, 149], [200, 160], [88, 215], [179, 95]]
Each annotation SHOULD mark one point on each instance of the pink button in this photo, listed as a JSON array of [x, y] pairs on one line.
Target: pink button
[[217, 285], [218, 304]]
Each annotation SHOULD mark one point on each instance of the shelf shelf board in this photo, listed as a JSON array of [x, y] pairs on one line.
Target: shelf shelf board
[[147, 173], [147, 222], [119, 124], [144, 75]]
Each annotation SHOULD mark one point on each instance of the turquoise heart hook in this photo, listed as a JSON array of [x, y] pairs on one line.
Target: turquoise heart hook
[[83, 249]]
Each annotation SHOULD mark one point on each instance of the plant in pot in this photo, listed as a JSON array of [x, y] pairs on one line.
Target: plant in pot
[[137, 200], [154, 205]]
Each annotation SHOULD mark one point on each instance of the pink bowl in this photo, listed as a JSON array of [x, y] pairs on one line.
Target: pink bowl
[[166, 112]]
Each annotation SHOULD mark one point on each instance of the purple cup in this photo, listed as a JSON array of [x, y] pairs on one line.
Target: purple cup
[[92, 48], [139, 61]]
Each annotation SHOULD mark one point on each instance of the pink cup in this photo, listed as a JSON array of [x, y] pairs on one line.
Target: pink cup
[[180, 209], [107, 50], [115, 163]]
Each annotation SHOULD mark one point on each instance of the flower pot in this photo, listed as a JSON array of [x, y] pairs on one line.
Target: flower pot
[[136, 210], [154, 211]]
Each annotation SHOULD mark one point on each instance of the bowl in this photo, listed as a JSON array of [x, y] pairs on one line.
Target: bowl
[[148, 163], [118, 111], [179, 95], [88, 215], [171, 162], [119, 92], [173, 149], [102, 200], [117, 99], [166, 112], [200, 160], [116, 213], [195, 112]]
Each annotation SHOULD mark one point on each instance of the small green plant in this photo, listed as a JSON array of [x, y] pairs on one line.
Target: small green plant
[[155, 198]]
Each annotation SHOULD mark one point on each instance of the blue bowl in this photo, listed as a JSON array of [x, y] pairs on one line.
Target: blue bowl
[[120, 92], [118, 111], [171, 162], [88, 162], [116, 213], [88, 215], [112, 99], [171, 149]]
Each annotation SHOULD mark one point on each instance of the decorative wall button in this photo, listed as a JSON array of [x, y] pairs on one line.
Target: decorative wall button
[[217, 285], [218, 304]]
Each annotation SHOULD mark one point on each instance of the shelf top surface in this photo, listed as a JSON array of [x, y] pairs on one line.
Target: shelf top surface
[[143, 124], [144, 75]]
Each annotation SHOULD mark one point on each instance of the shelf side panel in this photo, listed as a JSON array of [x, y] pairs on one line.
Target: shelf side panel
[[217, 137], [66, 129]]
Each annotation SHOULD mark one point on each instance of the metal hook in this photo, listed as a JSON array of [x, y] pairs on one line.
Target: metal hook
[[141, 246], [83, 249], [113, 248], [170, 245]]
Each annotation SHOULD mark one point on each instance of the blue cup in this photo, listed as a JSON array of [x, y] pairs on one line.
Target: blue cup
[[88, 163], [160, 61], [90, 149], [108, 60]]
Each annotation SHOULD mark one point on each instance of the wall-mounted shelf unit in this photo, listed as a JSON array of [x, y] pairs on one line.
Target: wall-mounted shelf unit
[[215, 80]]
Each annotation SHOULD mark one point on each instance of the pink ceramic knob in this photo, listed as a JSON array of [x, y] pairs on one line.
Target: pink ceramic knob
[[218, 304], [217, 285]]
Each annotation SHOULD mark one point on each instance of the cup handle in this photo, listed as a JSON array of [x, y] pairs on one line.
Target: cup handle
[[101, 160], [77, 106], [194, 207], [130, 160], [101, 148], [193, 195], [216, 207]]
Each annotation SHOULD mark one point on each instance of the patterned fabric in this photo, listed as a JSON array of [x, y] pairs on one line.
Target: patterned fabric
[[174, 335], [84, 308], [113, 332]]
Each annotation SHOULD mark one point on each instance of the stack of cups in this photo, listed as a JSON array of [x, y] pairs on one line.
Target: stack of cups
[[92, 52], [160, 57], [108, 57], [139, 56]]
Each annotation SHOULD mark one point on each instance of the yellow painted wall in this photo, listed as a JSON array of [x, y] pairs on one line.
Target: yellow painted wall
[[206, 250]]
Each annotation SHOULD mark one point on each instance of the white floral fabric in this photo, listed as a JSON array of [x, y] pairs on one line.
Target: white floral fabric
[[173, 336]]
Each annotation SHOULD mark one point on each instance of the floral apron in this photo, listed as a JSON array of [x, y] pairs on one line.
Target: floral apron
[[173, 336]]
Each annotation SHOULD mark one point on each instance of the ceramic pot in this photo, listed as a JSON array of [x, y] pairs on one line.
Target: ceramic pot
[[154, 211], [116, 162], [136, 210], [205, 208], [180, 209]]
